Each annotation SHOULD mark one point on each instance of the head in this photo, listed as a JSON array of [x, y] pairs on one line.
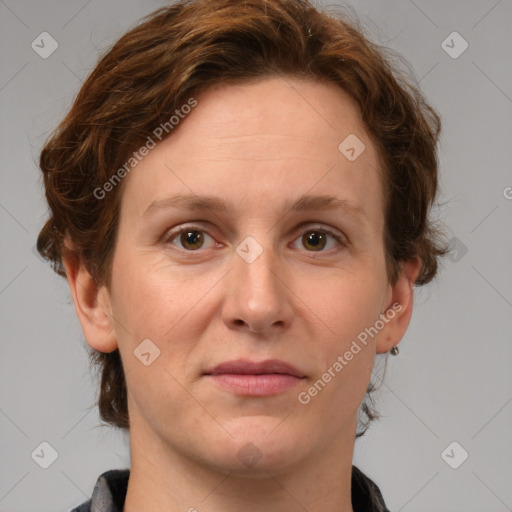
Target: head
[[236, 101]]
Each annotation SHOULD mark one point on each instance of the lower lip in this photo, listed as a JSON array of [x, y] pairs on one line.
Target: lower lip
[[255, 385]]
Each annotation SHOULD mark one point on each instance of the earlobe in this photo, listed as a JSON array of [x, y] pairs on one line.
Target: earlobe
[[92, 305], [399, 310]]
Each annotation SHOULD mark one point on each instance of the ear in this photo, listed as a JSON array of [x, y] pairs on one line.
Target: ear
[[92, 304], [398, 311]]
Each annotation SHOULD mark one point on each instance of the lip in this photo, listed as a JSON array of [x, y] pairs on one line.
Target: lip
[[250, 378]]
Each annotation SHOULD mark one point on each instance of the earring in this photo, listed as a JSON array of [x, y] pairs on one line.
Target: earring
[[394, 350]]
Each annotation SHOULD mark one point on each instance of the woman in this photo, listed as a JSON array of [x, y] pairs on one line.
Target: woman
[[240, 201]]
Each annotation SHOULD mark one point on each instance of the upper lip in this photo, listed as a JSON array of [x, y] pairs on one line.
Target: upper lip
[[248, 367]]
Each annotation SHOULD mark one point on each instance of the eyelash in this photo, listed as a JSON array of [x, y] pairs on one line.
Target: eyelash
[[171, 235]]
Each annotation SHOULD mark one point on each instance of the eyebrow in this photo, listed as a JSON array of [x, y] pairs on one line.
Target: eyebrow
[[216, 204]]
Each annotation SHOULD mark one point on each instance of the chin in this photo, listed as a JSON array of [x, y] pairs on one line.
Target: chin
[[259, 446]]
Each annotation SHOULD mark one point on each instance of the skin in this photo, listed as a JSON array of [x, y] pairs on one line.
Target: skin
[[257, 146]]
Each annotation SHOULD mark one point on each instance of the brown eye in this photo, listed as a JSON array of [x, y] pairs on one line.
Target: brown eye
[[321, 240], [314, 240], [191, 239]]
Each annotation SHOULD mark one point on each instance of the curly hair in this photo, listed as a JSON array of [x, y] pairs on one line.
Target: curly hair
[[185, 48]]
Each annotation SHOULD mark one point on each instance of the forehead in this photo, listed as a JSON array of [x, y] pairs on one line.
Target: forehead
[[263, 143]]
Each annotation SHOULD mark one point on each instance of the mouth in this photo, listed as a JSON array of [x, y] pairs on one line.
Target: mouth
[[249, 378]]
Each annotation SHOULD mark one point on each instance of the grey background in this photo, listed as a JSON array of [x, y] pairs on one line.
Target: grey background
[[452, 379]]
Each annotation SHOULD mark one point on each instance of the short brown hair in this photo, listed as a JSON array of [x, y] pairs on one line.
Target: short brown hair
[[183, 49]]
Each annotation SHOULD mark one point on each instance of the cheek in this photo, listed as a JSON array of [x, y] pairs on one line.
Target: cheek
[[140, 299], [148, 295], [342, 309], [160, 302], [153, 303], [343, 303]]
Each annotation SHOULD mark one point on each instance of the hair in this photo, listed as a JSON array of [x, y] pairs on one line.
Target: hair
[[183, 49]]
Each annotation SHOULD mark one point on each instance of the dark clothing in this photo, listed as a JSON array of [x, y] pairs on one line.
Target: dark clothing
[[110, 492]]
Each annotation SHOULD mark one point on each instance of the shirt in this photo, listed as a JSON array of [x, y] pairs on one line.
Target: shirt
[[109, 493]]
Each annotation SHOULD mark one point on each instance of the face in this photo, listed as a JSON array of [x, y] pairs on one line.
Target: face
[[248, 237]]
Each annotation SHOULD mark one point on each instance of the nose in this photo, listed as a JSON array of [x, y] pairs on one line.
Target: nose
[[257, 295]]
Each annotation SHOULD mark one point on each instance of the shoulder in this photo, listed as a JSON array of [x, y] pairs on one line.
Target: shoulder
[[108, 494]]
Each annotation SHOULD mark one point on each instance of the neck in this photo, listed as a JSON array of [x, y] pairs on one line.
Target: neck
[[163, 479]]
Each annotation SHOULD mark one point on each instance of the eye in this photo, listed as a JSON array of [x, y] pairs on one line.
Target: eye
[[193, 238], [318, 239], [190, 238]]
